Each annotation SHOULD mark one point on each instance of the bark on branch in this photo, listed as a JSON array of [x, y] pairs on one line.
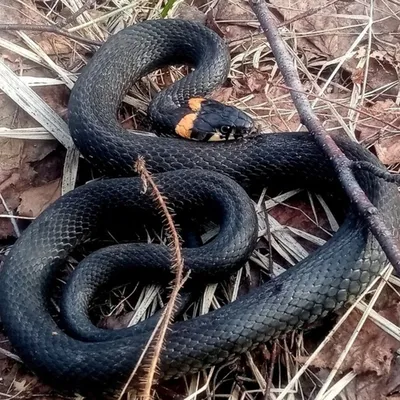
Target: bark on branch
[[343, 166]]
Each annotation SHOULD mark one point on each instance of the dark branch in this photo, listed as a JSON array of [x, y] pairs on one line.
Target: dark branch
[[341, 163]]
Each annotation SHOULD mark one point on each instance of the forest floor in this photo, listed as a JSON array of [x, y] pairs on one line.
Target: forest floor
[[347, 55]]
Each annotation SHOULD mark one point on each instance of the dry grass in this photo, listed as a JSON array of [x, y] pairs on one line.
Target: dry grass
[[281, 245]]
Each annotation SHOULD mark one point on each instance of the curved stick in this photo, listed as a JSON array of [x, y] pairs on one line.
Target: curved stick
[[343, 166]]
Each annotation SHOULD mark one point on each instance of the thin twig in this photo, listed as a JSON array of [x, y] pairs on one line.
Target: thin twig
[[8, 354], [306, 14], [177, 264], [50, 29], [353, 337], [339, 103], [10, 213], [269, 235], [341, 163], [267, 394], [297, 17], [328, 338], [76, 14]]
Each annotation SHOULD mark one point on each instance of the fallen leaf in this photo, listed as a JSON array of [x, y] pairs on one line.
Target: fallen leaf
[[116, 322], [36, 199], [358, 76], [329, 34], [53, 44], [18, 163], [55, 96], [18, 382], [388, 150], [368, 387], [256, 81], [223, 94], [300, 214], [231, 10], [373, 350], [26, 164], [386, 144], [189, 12]]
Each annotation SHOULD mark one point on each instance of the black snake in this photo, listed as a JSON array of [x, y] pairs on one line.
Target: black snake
[[193, 176]]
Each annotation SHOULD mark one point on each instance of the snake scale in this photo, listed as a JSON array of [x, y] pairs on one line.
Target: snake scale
[[193, 175]]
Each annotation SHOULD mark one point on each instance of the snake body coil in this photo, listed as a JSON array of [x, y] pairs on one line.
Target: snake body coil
[[191, 175]]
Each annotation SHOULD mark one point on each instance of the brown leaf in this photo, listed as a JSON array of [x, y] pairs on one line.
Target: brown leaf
[[275, 113], [36, 199], [17, 381], [12, 12], [296, 216], [231, 11], [116, 322], [329, 20], [53, 44], [373, 350], [55, 96], [18, 163], [189, 12], [388, 150], [393, 381], [368, 386], [256, 81], [372, 356], [223, 94], [26, 164], [357, 76], [387, 146]]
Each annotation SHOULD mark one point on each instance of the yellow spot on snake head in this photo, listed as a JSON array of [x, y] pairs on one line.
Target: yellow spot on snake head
[[217, 137], [185, 125], [195, 103]]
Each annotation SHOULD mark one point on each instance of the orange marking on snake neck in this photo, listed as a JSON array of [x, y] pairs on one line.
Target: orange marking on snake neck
[[185, 125], [195, 103]]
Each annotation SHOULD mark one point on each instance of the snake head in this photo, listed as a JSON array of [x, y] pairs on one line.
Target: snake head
[[210, 120]]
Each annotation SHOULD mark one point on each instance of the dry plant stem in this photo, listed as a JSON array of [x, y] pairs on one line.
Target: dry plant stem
[[341, 163], [268, 225], [339, 103], [272, 362], [306, 14], [8, 354], [328, 338], [75, 15], [297, 17], [50, 29], [178, 269], [353, 337]]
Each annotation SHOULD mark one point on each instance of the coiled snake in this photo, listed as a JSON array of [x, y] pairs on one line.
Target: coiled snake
[[193, 175]]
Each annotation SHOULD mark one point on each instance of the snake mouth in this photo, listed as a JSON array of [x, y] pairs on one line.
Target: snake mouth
[[220, 137], [234, 135]]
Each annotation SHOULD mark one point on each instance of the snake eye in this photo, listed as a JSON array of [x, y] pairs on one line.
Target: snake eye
[[226, 129]]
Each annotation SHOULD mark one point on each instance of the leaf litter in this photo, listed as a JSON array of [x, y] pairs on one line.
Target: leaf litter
[[343, 63]]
